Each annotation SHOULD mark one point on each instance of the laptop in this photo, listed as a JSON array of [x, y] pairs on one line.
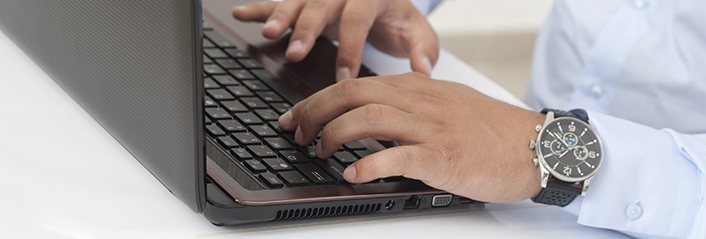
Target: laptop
[[194, 96]]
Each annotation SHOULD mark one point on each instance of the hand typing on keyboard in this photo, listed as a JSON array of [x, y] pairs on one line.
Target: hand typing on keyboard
[[392, 26], [451, 136]]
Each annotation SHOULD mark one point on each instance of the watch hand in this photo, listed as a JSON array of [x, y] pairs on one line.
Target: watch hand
[[558, 137], [562, 155]]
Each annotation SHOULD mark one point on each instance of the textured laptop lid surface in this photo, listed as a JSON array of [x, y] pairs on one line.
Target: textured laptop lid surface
[[134, 66]]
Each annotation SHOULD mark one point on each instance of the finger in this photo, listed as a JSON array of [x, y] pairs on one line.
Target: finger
[[408, 161], [258, 12], [424, 47], [311, 22], [381, 122], [312, 113], [356, 20], [282, 17]]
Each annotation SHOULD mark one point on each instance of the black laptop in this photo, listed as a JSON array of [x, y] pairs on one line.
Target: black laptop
[[195, 95]]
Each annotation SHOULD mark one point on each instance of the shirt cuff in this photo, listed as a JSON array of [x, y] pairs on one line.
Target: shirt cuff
[[425, 6], [650, 182]]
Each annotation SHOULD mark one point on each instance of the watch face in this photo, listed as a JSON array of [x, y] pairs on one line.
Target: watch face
[[570, 149]]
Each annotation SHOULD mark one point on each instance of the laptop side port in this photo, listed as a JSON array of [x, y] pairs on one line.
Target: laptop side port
[[411, 202], [465, 200], [442, 200]]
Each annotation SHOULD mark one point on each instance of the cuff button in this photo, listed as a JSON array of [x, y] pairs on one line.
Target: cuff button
[[633, 211]]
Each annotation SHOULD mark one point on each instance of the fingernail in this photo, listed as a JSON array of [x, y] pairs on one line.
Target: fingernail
[[349, 174], [298, 136], [318, 149], [286, 119], [295, 46], [427, 62], [271, 24], [343, 73]]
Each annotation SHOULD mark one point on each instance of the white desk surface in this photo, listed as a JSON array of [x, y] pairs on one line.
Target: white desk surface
[[63, 176]]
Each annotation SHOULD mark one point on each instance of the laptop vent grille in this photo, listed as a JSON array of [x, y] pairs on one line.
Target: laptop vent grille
[[302, 213]]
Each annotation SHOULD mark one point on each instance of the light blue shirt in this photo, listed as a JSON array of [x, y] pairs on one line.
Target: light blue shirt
[[639, 68]]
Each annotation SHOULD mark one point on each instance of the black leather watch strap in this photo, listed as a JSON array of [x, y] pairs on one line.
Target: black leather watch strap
[[557, 194], [575, 113]]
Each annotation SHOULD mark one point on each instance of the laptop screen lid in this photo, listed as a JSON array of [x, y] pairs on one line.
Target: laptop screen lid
[[135, 67]]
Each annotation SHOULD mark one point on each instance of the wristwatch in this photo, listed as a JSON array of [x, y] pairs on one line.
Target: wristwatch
[[568, 154]]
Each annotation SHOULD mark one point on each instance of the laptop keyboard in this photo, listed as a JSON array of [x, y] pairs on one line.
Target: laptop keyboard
[[241, 116]]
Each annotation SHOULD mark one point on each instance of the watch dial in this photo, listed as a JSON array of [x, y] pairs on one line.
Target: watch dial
[[570, 148]]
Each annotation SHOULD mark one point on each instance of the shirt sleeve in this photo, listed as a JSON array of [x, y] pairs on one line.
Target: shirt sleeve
[[651, 182], [425, 6]]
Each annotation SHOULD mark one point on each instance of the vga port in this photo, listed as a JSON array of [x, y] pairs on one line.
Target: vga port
[[441, 200]]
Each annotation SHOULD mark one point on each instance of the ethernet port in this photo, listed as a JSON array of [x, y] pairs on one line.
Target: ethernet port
[[411, 203]]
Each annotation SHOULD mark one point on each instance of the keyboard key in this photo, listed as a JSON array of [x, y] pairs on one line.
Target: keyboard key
[[315, 173], [242, 75], [262, 151], [249, 63], [247, 138], [248, 118], [208, 102], [254, 102], [345, 157], [275, 126], [241, 153], [231, 125], [263, 130], [234, 106], [240, 91], [271, 180], [290, 137], [309, 151], [269, 96], [363, 153], [333, 168], [294, 156], [236, 53], [393, 179], [268, 115], [229, 64], [220, 94], [294, 178], [213, 69], [355, 145], [218, 39], [215, 53], [218, 113], [207, 120], [281, 107], [206, 60], [208, 83], [255, 85], [214, 130], [225, 80], [278, 143], [277, 164], [208, 44], [255, 166], [227, 142]]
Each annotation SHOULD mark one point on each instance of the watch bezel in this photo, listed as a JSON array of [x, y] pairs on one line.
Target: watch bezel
[[553, 172]]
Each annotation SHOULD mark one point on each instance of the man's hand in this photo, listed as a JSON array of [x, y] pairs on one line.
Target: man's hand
[[392, 26], [451, 136]]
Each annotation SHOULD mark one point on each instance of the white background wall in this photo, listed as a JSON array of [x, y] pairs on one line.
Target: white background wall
[[494, 36]]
